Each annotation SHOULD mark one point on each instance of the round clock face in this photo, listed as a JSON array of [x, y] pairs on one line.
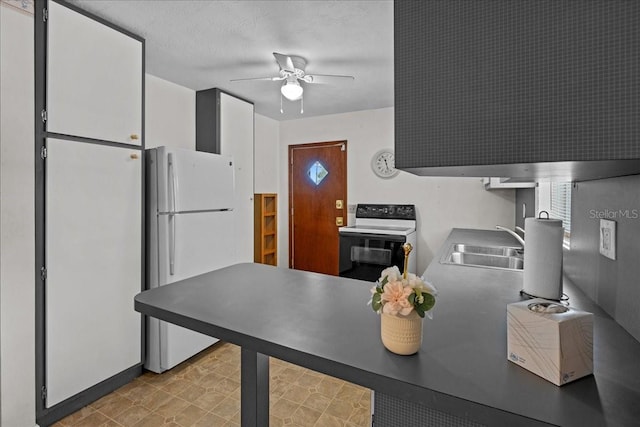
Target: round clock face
[[383, 164]]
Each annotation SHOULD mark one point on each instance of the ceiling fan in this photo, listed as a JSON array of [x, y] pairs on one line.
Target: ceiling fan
[[292, 72]]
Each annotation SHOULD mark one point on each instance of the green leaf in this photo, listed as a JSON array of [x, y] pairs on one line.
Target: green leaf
[[384, 281], [420, 311], [379, 289], [429, 302], [376, 302], [412, 299]]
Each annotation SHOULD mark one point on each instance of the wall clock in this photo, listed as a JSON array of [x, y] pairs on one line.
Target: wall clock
[[383, 164]]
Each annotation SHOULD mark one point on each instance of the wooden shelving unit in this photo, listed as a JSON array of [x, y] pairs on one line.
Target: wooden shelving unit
[[265, 223]]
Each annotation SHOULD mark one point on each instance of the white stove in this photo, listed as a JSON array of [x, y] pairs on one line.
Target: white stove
[[383, 219], [378, 229], [375, 241]]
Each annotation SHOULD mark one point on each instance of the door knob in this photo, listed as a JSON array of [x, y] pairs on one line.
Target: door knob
[[339, 204], [339, 221]]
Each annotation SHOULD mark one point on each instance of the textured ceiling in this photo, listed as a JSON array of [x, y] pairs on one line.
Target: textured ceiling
[[205, 44]]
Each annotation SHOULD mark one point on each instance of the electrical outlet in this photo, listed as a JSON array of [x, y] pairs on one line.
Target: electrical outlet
[[608, 238]]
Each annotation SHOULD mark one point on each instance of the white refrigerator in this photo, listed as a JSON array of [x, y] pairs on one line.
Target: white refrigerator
[[190, 223]]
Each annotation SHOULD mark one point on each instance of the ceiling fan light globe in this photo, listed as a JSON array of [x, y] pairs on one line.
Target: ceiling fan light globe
[[291, 91]]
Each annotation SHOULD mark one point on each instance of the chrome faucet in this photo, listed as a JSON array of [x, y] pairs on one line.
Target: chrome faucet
[[513, 233]]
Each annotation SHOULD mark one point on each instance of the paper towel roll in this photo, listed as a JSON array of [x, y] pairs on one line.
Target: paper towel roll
[[543, 258]]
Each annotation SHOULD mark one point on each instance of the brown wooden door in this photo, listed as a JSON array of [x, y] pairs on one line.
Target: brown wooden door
[[317, 184]]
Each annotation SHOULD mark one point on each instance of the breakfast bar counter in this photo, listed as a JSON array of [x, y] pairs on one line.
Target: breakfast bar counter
[[460, 375]]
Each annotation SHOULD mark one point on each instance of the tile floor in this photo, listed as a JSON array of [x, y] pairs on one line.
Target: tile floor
[[204, 391]]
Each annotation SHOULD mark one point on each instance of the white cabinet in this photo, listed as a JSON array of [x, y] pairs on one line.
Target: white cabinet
[[94, 79], [94, 259], [89, 80], [236, 140], [225, 125]]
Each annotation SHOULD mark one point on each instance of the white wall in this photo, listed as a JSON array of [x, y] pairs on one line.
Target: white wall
[[441, 203], [17, 220], [170, 114]]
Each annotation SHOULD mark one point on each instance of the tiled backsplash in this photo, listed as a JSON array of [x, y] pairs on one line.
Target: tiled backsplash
[[614, 285]]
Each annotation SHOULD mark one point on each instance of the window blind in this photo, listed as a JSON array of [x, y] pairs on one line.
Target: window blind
[[561, 204]]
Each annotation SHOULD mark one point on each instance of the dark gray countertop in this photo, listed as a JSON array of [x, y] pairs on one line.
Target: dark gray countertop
[[323, 323]]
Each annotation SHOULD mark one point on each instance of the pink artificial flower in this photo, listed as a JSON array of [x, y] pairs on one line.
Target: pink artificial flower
[[396, 298]]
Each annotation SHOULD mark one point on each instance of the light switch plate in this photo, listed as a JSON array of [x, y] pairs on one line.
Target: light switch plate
[[608, 238]]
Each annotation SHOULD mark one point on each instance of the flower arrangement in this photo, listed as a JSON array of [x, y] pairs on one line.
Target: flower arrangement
[[395, 293]]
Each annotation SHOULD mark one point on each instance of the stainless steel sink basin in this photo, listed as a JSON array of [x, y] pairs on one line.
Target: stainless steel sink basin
[[500, 257], [487, 250], [478, 260]]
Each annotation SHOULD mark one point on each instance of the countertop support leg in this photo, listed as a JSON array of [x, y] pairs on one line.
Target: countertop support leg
[[254, 384]]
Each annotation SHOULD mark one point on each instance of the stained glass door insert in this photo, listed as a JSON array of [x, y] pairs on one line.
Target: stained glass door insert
[[317, 172]]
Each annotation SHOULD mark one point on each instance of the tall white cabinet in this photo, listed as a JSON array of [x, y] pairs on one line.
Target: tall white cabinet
[[91, 209], [236, 140], [225, 125]]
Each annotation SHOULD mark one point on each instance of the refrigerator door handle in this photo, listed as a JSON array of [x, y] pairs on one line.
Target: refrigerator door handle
[[172, 218], [172, 182], [172, 243]]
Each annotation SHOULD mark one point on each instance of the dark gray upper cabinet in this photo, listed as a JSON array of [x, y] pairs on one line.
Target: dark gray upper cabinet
[[523, 89]]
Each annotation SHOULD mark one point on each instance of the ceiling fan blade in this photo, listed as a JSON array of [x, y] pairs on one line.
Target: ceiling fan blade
[[326, 78], [285, 62], [273, 79]]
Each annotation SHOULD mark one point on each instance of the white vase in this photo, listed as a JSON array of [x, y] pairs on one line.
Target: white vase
[[401, 334]]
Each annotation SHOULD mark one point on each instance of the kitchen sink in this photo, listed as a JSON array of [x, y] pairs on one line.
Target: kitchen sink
[[488, 250], [500, 257]]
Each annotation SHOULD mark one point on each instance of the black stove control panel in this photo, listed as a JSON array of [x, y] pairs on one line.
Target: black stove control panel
[[386, 211]]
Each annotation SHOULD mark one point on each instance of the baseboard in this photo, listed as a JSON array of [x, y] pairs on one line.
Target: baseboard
[[66, 407]]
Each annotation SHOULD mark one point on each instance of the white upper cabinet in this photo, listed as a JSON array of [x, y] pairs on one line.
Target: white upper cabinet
[[94, 79]]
